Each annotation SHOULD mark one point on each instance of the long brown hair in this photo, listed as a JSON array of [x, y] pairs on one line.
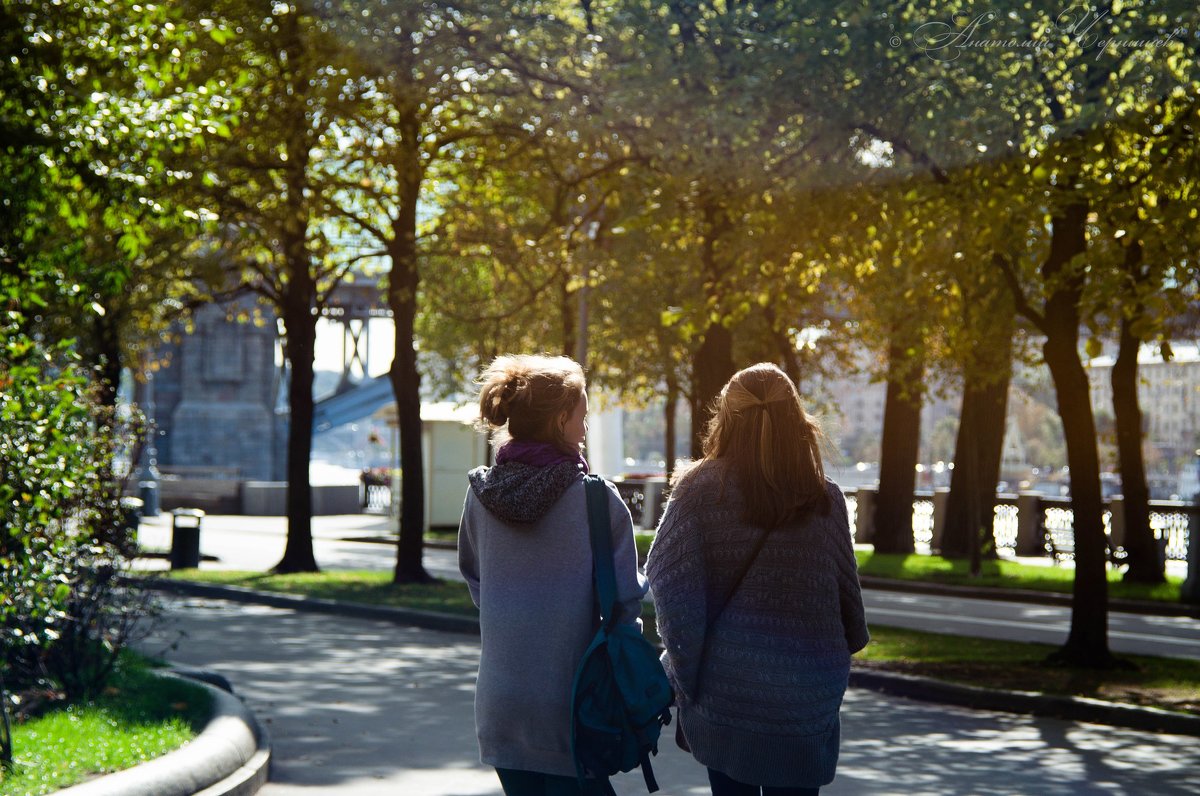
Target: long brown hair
[[770, 445], [528, 394]]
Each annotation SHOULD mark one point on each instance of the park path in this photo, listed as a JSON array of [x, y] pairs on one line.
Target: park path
[[367, 708], [256, 543]]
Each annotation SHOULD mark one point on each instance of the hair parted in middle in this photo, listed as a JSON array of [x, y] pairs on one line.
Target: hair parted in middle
[[771, 446], [527, 395]]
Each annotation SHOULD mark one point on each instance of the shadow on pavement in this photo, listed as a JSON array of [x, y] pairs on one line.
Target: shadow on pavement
[[897, 746], [365, 707], [344, 700]]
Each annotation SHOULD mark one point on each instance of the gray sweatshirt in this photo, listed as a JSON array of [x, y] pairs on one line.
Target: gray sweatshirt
[[532, 581], [761, 703]]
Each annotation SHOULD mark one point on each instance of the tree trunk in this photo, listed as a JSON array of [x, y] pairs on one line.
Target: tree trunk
[[900, 449], [106, 347], [1087, 642], [978, 449], [712, 363], [403, 285], [107, 344], [788, 360], [669, 418], [300, 330], [299, 299], [567, 319], [712, 367], [1141, 550], [977, 453]]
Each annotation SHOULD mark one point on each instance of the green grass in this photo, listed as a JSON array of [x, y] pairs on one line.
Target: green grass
[[1169, 683], [1004, 574], [643, 540], [140, 716], [362, 586]]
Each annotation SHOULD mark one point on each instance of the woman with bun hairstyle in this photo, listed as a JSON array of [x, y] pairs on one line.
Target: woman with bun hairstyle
[[757, 595], [524, 549]]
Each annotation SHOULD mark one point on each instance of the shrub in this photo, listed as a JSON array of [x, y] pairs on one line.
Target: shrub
[[64, 539]]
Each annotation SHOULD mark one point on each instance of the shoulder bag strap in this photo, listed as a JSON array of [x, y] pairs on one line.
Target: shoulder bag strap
[[600, 531], [729, 592], [733, 587]]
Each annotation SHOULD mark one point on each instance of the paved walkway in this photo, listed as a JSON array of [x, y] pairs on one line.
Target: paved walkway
[[256, 543], [367, 708]]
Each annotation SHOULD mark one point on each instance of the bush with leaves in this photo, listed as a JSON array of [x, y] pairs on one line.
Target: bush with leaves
[[64, 537]]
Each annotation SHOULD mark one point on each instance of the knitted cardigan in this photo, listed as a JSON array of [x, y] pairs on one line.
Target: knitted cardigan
[[761, 703], [532, 581]]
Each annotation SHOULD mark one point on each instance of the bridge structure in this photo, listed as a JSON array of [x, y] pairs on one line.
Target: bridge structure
[[354, 305], [219, 408], [217, 400]]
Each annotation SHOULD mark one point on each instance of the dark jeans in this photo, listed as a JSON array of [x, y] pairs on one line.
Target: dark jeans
[[534, 783], [727, 786]]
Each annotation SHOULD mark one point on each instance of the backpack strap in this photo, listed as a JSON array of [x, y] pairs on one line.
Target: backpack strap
[[600, 530], [648, 771], [605, 578]]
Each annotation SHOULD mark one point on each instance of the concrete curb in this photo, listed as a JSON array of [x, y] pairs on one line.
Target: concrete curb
[[1080, 709], [230, 757], [1147, 607]]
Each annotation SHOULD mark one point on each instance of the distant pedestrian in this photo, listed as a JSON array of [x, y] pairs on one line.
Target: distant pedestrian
[[525, 552], [757, 595]]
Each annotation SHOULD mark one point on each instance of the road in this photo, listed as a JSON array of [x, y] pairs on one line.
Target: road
[[256, 543], [362, 708]]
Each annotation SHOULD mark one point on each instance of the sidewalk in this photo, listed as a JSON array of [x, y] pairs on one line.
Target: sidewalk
[[367, 708], [1172, 629]]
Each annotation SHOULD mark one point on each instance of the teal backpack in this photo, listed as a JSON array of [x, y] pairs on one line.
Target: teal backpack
[[621, 698]]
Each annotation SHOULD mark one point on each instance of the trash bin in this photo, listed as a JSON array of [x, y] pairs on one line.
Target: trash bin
[[185, 538]]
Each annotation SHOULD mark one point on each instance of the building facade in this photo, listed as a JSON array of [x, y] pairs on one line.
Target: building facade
[[1168, 394]]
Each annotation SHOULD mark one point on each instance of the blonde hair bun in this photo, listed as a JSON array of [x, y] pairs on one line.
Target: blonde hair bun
[[528, 392]]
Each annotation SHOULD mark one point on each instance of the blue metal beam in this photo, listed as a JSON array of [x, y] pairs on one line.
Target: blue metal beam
[[362, 401]]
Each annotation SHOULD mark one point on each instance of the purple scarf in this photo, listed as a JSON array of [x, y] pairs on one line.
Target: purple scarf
[[537, 454]]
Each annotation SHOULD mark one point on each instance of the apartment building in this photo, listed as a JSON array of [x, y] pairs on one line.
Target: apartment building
[[1168, 393]]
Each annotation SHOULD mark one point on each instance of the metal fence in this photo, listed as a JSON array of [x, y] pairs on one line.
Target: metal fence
[[1170, 523], [1168, 519], [1004, 524], [376, 498]]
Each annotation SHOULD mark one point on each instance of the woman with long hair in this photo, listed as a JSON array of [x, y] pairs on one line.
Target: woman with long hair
[[757, 595], [524, 549]]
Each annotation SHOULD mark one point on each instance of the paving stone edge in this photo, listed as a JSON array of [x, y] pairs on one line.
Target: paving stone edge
[[1081, 709], [229, 757], [911, 686]]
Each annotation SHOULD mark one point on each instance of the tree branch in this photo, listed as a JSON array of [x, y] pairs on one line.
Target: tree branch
[[922, 158], [1020, 300]]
